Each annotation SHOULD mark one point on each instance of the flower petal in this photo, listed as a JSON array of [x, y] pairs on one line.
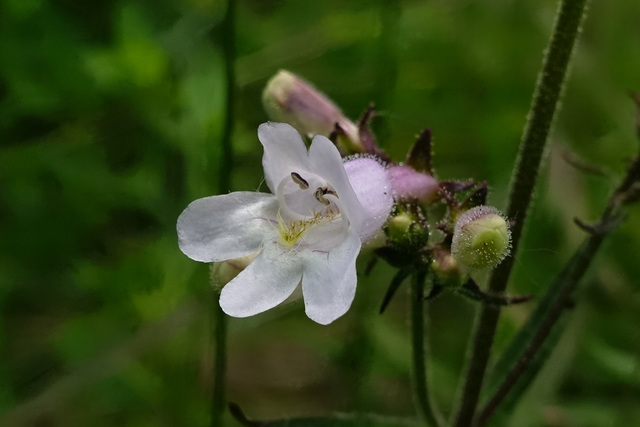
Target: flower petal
[[265, 283], [329, 280], [284, 152], [326, 162], [225, 227], [372, 184]]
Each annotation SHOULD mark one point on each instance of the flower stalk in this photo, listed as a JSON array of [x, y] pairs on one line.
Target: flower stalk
[[421, 395], [571, 14]]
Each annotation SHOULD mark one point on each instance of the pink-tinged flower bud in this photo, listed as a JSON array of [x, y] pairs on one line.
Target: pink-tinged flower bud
[[407, 183], [481, 238], [289, 99], [370, 181]]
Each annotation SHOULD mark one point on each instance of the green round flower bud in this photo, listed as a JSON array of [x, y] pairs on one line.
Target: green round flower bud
[[406, 232], [481, 238], [398, 226]]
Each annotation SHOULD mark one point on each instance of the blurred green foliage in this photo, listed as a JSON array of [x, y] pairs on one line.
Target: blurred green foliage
[[110, 120]]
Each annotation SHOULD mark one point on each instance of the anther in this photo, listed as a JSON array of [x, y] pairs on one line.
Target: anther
[[329, 191], [319, 195], [295, 176]]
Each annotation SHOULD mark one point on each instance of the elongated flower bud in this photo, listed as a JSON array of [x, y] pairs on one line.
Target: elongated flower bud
[[481, 238], [289, 99]]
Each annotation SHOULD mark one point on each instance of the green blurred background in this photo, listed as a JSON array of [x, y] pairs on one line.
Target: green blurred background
[[111, 115]]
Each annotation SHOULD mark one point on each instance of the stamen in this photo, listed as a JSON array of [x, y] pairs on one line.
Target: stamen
[[329, 191], [295, 176], [319, 195]]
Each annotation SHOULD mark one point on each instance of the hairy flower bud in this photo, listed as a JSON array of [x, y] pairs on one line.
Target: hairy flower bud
[[398, 227], [410, 184], [371, 182], [289, 99], [481, 238], [407, 232]]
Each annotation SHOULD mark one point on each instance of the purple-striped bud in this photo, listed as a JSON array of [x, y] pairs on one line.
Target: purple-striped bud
[[288, 98]]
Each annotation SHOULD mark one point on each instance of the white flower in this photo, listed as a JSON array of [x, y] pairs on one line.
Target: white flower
[[310, 229]]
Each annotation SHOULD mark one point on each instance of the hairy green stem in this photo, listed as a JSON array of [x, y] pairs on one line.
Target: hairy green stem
[[570, 16], [218, 403], [563, 299], [420, 385]]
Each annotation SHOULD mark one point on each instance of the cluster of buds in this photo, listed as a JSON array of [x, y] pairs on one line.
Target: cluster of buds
[[441, 226], [470, 237]]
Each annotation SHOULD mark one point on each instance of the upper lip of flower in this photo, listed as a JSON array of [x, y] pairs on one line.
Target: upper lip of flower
[[320, 167], [303, 210], [309, 229]]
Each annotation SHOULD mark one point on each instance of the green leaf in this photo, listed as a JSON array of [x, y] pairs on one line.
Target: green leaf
[[393, 287]]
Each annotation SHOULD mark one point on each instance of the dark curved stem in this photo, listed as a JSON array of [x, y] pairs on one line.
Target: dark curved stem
[[218, 404], [545, 102], [562, 302], [420, 386], [564, 299]]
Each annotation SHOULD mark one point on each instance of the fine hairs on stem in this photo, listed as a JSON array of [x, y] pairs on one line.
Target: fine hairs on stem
[[421, 393], [571, 277], [571, 14]]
